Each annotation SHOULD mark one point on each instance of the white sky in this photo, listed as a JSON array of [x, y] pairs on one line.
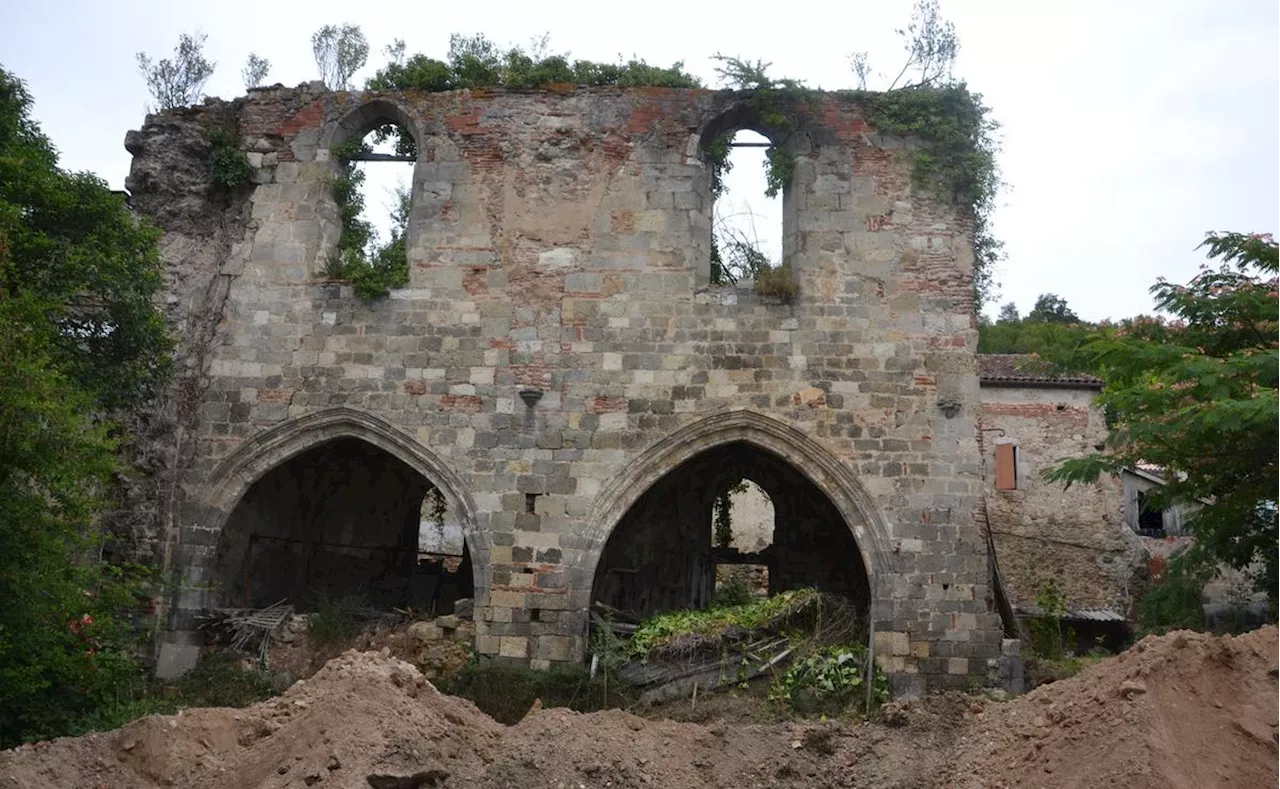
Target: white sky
[[1129, 128]]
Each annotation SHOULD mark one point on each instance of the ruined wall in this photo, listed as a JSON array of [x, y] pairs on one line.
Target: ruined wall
[[559, 242], [1075, 537]]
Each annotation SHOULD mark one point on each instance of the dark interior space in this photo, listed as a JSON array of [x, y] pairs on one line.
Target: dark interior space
[[662, 557], [338, 521]]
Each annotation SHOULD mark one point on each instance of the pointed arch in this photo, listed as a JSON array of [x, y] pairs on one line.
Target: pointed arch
[[358, 121], [818, 464], [234, 476]]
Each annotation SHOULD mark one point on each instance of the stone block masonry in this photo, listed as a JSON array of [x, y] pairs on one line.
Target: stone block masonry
[[559, 347]]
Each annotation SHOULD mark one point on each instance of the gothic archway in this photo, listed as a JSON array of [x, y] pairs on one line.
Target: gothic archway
[[328, 504]]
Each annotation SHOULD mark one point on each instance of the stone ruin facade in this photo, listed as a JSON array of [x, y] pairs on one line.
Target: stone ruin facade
[[561, 367]]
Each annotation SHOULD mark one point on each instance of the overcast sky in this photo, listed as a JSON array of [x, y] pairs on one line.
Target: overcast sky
[[1128, 128]]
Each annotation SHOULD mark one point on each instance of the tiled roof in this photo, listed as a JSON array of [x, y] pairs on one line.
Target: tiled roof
[[1007, 368]]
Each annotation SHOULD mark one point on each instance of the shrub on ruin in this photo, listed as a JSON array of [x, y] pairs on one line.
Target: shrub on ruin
[[228, 165], [178, 82], [340, 51], [778, 283]]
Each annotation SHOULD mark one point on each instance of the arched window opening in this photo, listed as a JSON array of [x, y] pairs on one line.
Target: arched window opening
[[663, 554], [373, 189], [339, 522], [444, 574], [746, 224], [742, 532]]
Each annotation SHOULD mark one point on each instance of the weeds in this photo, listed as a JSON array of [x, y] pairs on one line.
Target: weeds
[[332, 622], [506, 692]]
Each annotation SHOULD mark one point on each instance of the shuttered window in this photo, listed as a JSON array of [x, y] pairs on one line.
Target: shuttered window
[[1006, 467]]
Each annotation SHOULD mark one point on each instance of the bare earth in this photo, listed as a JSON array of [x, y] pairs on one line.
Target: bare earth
[[1183, 710]]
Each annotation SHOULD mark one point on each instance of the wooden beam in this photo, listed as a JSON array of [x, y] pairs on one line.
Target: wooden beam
[[380, 158]]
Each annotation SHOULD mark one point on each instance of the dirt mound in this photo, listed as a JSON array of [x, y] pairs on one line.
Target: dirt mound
[[1181, 710], [1184, 710], [362, 714]]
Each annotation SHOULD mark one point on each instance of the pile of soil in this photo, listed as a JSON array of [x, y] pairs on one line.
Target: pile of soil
[[1182, 710]]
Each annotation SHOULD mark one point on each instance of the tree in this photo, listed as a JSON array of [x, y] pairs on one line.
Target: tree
[[340, 52], [179, 82], [1008, 313], [1197, 397], [255, 71], [931, 45], [1051, 308], [79, 336]]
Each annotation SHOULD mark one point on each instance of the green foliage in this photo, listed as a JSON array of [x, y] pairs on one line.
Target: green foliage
[[255, 71], [79, 338], [507, 692], [829, 681], [1175, 600], [477, 62], [931, 45], [1051, 329], [736, 589], [218, 680], [374, 269], [774, 102], [956, 157], [332, 622], [722, 523], [1046, 628], [1197, 397], [340, 51], [90, 269], [221, 679], [228, 165], [1052, 308], [178, 82], [661, 629]]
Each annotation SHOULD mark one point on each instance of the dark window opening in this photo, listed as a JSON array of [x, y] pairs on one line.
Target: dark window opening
[[1150, 519]]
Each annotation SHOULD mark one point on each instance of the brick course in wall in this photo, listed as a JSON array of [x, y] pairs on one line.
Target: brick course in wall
[[559, 241]]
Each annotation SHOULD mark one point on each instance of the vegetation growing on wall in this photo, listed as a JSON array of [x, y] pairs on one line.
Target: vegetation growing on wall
[[477, 62], [373, 268], [956, 157], [178, 82], [228, 165]]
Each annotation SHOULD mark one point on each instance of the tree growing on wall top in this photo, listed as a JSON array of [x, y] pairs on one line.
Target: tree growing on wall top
[[255, 71], [340, 51], [179, 82]]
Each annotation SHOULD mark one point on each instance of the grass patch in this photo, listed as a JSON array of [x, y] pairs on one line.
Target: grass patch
[[333, 622], [505, 692], [218, 680]]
